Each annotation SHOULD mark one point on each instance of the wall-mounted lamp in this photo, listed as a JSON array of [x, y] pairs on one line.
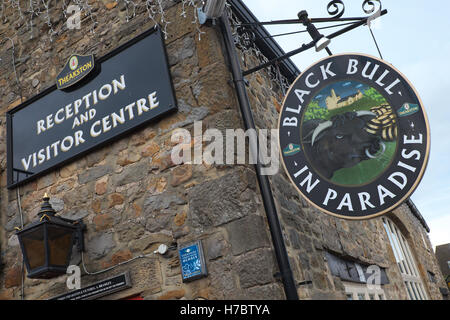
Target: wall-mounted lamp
[[47, 243], [321, 41]]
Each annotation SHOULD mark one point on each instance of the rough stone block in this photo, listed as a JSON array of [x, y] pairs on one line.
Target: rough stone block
[[93, 174], [75, 214], [215, 246], [12, 223], [180, 218], [103, 221], [100, 245], [223, 282], [46, 181], [218, 201], [300, 240], [115, 199], [143, 244], [163, 161], [57, 204], [247, 234], [131, 173], [150, 150], [101, 186], [68, 170], [181, 174], [255, 268], [173, 294], [180, 50], [121, 256], [161, 201], [159, 211], [13, 277], [272, 291]]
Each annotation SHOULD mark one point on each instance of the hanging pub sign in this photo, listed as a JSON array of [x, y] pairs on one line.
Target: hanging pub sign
[[126, 89], [354, 137]]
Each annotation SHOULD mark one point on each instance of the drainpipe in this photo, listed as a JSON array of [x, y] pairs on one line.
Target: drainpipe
[[264, 185]]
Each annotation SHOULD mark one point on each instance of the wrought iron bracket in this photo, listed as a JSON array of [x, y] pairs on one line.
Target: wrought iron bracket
[[359, 22], [79, 237], [336, 9], [79, 233]]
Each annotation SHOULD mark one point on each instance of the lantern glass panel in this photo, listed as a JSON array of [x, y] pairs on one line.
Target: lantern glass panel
[[60, 245], [34, 244]]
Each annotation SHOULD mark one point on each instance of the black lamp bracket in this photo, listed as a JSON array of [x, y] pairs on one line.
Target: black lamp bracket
[[80, 228], [79, 238]]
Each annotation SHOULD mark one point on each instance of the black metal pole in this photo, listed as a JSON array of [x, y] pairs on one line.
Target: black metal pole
[[296, 21], [310, 45], [311, 28], [304, 47], [264, 185], [313, 20]]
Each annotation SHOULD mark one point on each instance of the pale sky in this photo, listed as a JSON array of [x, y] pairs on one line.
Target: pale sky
[[414, 37]]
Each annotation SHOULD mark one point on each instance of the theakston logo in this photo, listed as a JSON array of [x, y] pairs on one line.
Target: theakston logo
[[76, 68], [73, 63], [354, 136]]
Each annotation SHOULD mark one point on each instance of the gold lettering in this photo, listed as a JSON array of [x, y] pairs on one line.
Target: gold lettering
[[75, 74]]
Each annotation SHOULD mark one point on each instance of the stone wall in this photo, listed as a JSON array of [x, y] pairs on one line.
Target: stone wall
[[129, 193]]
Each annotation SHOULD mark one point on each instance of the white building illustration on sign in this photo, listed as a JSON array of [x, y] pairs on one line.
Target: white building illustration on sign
[[334, 101]]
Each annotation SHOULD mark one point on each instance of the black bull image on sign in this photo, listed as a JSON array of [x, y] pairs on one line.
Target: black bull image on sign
[[347, 139]]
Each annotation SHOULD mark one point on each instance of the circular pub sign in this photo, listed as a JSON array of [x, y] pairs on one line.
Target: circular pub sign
[[354, 136]]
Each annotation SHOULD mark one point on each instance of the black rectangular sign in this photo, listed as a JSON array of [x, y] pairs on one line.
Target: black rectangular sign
[[99, 289], [132, 86]]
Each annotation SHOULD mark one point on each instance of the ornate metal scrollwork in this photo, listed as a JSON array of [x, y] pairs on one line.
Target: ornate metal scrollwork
[[246, 37], [336, 8], [369, 6]]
